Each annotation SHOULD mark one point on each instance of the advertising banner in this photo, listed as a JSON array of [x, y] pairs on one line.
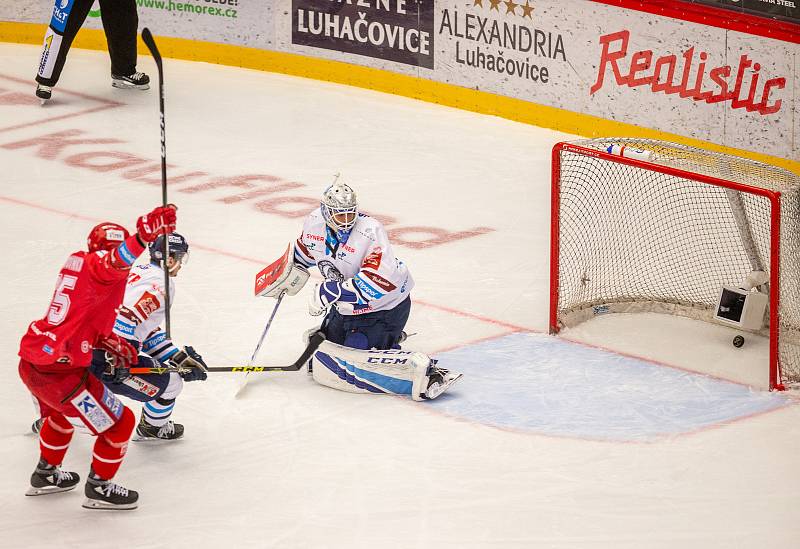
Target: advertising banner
[[703, 82], [787, 10], [396, 30]]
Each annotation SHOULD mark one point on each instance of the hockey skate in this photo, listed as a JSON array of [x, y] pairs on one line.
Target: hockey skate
[[430, 380], [50, 479], [137, 80], [169, 431], [104, 494], [439, 380], [44, 93]]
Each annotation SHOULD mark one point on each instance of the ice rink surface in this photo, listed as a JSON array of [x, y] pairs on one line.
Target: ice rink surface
[[607, 437]]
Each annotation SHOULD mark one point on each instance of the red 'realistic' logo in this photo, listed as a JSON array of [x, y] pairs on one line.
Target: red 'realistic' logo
[[709, 84]]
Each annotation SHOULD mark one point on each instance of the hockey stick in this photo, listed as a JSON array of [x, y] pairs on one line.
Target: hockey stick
[[243, 383], [314, 342], [266, 328], [147, 38]]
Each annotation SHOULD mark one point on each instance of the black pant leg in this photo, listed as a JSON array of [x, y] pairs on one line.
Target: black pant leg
[[64, 26], [121, 25]]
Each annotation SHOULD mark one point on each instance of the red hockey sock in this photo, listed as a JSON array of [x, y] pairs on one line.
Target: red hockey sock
[[110, 447], [54, 438]]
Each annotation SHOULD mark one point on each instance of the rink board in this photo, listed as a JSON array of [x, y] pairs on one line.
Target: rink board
[[544, 384]]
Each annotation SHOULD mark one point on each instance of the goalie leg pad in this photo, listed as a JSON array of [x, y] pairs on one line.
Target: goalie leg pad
[[373, 371]]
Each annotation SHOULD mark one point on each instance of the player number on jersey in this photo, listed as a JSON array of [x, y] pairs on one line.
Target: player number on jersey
[[60, 304]]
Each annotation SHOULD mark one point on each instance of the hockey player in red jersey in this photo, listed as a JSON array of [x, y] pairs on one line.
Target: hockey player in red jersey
[[56, 351]]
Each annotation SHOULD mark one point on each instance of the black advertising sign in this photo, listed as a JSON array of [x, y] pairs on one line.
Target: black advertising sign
[[394, 30], [788, 10]]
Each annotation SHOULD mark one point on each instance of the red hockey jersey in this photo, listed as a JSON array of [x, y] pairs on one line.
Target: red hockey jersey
[[89, 289]]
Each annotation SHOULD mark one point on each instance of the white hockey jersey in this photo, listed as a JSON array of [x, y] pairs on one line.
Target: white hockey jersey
[[380, 279], [142, 311]]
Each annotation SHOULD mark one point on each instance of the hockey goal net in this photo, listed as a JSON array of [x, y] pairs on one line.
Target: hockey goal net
[[664, 229]]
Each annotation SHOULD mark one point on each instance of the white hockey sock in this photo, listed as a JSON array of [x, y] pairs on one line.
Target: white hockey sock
[[157, 412]]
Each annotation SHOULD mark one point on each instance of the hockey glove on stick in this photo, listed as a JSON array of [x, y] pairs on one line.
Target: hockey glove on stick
[[120, 355], [190, 364], [160, 221]]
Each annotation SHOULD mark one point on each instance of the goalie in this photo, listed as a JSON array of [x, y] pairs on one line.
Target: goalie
[[365, 297]]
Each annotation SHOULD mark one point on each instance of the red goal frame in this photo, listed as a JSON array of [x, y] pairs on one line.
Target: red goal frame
[[775, 377]]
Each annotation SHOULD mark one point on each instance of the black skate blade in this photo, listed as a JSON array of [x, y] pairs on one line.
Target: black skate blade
[[104, 505], [139, 438], [45, 490], [119, 84]]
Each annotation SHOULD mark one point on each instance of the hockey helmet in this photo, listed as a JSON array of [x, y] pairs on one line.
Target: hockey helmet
[[176, 244], [106, 236], [339, 207]]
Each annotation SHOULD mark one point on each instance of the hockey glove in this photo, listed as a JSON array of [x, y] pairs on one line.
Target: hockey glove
[[325, 294], [120, 355], [116, 374], [160, 221], [190, 364]]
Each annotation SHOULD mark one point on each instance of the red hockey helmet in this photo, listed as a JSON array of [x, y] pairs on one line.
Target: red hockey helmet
[[106, 236]]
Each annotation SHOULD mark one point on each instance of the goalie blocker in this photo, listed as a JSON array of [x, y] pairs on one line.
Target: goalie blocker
[[281, 276], [390, 371]]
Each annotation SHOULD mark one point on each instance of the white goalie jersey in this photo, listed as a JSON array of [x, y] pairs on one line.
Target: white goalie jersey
[[381, 281], [142, 311]]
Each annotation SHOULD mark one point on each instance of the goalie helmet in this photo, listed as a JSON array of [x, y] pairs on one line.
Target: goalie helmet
[[177, 245], [106, 236], [340, 209]]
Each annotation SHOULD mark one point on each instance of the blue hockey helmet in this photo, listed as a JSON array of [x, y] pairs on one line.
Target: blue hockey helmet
[[178, 248]]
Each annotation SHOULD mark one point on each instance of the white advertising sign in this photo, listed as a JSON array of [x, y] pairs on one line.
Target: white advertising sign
[[702, 82]]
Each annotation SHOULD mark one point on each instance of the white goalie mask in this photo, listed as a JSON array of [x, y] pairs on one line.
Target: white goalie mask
[[340, 209]]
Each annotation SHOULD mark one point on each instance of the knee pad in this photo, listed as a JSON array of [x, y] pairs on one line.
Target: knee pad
[[356, 340], [174, 387], [121, 431]]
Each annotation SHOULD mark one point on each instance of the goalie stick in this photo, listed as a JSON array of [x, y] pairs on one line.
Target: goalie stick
[[314, 342]]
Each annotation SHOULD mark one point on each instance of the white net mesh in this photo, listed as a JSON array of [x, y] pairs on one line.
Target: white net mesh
[[636, 239]]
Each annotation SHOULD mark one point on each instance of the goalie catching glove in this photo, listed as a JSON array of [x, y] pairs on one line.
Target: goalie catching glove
[[190, 364], [325, 294]]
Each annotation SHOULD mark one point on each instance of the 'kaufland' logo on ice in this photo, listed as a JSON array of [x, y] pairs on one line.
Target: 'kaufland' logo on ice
[[689, 75], [395, 30]]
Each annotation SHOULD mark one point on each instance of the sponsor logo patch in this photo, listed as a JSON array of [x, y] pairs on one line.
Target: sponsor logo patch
[[91, 411], [112, 403], [366, 289], [380, 281], [141, 385], [147, 305], [115, 234], [373, 260]]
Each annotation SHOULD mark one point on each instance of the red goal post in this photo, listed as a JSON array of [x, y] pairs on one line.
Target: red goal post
[[644, 225]]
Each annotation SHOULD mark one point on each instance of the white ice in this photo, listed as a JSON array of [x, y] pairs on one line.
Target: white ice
[[292, 464]]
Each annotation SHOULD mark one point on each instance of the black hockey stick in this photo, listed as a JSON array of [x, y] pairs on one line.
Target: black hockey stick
[[147, 38], [313, 344]]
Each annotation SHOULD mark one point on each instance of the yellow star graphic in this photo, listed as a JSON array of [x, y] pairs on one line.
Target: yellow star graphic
[[510, 7], [494, 5], [478, 3], [527, 9]]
